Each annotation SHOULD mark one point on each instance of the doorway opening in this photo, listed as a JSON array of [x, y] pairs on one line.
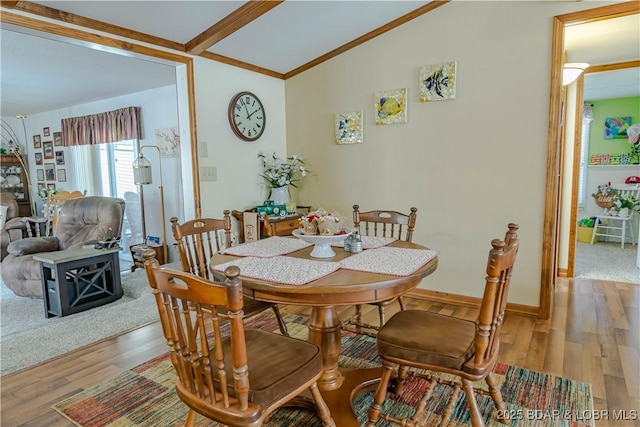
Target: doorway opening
[[558, 210], [608, 90]]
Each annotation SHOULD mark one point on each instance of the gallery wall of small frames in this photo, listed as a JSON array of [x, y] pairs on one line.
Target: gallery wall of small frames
[[49, 156], [436, 82]]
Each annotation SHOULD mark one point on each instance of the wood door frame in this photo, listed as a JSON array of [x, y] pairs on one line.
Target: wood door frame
[[554, 172]]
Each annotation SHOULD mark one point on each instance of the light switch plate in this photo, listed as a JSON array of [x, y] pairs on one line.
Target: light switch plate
[[208, 173], [203, 150]]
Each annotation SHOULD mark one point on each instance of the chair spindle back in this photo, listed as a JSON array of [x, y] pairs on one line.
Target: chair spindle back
[[385, 223], [198, 240], [499, 269], [197, 345]]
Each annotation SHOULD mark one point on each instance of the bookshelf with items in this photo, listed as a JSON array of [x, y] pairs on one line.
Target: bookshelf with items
[[13, 179]]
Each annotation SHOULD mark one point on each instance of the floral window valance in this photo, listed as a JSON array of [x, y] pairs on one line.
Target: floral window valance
[[110, 126]]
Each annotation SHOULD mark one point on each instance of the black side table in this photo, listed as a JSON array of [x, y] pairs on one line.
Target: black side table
[[79, 279]]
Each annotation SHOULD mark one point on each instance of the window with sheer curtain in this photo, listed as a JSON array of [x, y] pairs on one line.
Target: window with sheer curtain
[[105, 146], [587, 118], [106, 169]]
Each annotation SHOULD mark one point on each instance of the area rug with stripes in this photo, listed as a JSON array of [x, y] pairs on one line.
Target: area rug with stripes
[[145, 395]]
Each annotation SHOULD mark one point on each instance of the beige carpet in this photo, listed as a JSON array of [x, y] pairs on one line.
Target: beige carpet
[[28, 338], [607, 261]]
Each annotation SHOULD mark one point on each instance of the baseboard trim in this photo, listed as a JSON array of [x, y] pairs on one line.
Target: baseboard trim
[[563, 272], [467, 301]]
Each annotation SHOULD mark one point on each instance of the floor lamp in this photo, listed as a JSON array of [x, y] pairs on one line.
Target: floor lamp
[[142, 175]]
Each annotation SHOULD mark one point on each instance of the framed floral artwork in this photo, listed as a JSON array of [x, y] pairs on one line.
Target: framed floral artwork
[[437, 82], [46, 131], [616, 127], [51, 187], [349, 127], [40, 173], [41, 186], [38, 158], [168, 141], [37, 142], [47, 147], [391, 107], [62, 175]]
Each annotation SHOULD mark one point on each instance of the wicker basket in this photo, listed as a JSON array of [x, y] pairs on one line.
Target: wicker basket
[[604, 201]]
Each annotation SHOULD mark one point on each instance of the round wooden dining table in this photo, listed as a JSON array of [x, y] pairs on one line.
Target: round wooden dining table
[[342, 287]]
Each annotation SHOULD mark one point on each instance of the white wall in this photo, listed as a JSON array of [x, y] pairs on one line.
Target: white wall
[[470, 165], [159, 110], [238, 185]]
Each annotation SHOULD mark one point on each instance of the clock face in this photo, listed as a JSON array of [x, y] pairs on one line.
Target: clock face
[[247, 116]]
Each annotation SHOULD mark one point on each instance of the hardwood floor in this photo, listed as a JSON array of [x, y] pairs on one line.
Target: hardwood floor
[[594, 336]]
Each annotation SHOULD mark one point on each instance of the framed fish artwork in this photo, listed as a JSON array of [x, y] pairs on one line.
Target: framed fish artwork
[[349, 128], [437, 82], [391, 107]]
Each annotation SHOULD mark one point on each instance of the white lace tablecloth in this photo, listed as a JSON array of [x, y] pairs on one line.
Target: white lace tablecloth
[[273, 246], [385, 260], [371, 242], [280, 269]]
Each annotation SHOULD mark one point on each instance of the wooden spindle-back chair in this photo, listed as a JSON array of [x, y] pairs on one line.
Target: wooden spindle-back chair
[[236, 377], [441, 343], [198, 240], [381, 223]]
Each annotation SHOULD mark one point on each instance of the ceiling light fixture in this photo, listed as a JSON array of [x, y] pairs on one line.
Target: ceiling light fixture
[[571, 71]]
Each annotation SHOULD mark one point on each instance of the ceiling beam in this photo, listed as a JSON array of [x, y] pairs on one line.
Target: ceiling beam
[[231, 23], [93, 24], [242, 16], [9, 4], [89, 39], [237, 63]]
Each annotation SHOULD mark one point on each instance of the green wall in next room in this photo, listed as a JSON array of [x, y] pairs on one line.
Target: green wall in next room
[[604, 109]]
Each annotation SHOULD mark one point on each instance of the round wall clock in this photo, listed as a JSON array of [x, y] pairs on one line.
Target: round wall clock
[[247, 116]]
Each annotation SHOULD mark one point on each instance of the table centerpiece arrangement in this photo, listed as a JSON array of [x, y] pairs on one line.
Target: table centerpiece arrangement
[[322, 228]]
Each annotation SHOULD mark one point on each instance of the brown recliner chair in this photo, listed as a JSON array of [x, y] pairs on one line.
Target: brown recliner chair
[[14, 227], [81, 221]]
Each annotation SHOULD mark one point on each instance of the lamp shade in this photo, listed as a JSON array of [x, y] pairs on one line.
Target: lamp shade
[[571, 71], [142, 174]]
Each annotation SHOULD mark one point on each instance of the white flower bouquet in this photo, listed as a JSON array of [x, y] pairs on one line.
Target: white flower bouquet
[[279, 172]]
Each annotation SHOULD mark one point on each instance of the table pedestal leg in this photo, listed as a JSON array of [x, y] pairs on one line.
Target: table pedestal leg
[[338, 390], [325, 332]]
